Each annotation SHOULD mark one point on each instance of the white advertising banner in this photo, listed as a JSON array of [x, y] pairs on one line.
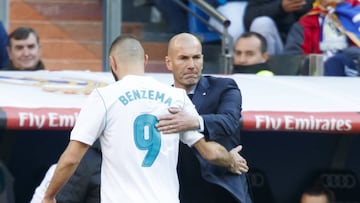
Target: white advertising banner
[[52, 100]]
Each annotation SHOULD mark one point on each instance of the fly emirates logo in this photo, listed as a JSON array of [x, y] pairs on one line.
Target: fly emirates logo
[[49, 119], [306, 123]]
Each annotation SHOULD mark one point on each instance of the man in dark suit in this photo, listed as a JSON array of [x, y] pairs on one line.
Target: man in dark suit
[[218, 101]]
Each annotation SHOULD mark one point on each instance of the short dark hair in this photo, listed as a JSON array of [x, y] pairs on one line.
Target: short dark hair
[[121, 38], [321, 190], [118, 40], [257, 35], [21, 33]]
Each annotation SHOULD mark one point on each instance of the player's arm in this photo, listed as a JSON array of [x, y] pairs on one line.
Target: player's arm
[[66, 166], [218, 155]]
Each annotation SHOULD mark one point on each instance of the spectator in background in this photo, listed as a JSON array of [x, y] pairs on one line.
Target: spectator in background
[[177, 17], [273, 19], [317, 194], [4, 58], [218, 101], [24, 50], [174, 15], [250, 54], [320, 32], [234, 11]]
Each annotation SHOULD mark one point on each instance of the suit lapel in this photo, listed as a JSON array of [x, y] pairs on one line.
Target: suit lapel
[[201, 92]]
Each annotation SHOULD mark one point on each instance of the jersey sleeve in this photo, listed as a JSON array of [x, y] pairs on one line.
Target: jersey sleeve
[[190, 137], [91, 120]]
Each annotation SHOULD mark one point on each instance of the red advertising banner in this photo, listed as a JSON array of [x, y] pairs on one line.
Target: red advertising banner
[[329, 122], [39, 118]]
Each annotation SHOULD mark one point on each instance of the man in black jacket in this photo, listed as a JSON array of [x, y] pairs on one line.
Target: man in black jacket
[[24, 50], [4, 58], [273, 19]]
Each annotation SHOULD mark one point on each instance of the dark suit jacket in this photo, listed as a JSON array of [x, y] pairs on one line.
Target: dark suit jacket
[[84, 184], [4, 58], [218, 101]]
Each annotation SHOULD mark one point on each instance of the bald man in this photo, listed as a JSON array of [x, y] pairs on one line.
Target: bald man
[[218, 101], [138, 162]]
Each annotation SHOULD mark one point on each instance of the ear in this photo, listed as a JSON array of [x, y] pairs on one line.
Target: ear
[[146, 59], [113, 64], [266, 56], [168, 63]]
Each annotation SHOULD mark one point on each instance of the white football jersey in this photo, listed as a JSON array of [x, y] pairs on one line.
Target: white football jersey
[[139, 163]]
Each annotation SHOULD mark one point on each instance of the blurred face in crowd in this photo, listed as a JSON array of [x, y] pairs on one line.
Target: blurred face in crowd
[[185, 60], [24, 53], [306, 198], [248, 52]]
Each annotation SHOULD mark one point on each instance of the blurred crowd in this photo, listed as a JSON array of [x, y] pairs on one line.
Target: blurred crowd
[[328, 29]]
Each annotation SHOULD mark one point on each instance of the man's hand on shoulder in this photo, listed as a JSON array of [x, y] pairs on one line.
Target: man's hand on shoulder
[[177, 121]]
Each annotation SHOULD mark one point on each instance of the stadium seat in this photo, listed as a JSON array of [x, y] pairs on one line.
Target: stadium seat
[[6, 185], [198, 28], [288, 64], [259, 187], [344, 183]]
